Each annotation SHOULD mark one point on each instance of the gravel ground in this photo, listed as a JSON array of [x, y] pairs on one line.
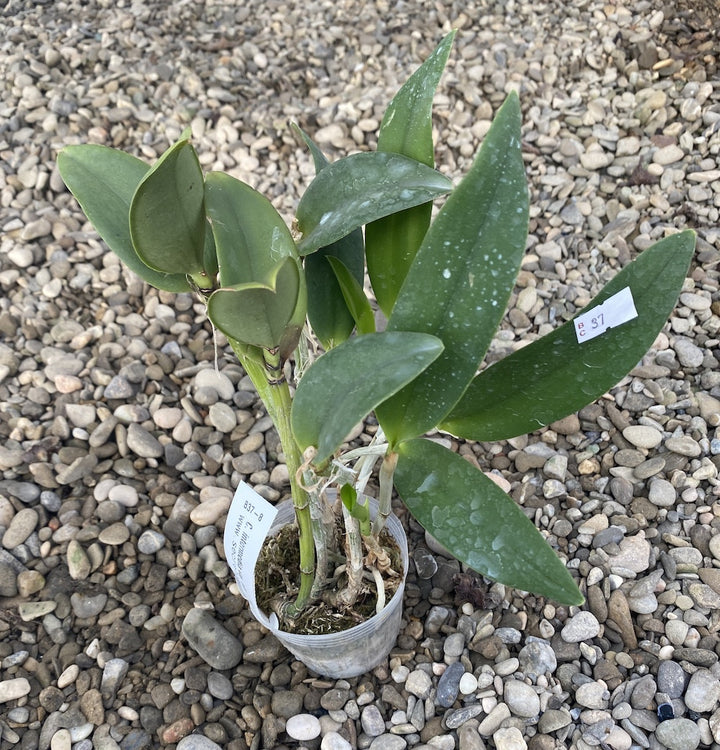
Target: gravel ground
[[120, 450]]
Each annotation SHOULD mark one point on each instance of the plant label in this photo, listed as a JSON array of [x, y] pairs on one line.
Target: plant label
[[248, 522], [616, 310]]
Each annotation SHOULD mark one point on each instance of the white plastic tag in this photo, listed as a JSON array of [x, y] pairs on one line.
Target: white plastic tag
[[248, 522], [616, 310]]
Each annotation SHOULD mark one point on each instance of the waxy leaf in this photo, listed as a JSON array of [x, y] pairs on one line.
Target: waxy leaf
[[103, 181], [348, 382], [251, 238], [167, 215], [462, 276], [258, 314], [360, 188], [555, 375], [391, 242], [477, 522], [251, 242], [354, 295], [328, 313]]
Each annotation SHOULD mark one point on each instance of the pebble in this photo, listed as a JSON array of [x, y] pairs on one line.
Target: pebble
[[141, 442], [678, 734], [22, 525], [521, 699], [13, 689], [304, 727], [642, 437], [703, 691], [419, 684], [197, 742], [581, 627], [215, 645], [449, 684]]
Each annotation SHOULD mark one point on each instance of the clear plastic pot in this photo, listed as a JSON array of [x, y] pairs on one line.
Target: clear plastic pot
[[350, 652]]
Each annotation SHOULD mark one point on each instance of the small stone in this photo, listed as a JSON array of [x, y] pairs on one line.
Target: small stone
[[217, 381], [222, 417], [582, 627], [642, 436], [593, 695], [115, 534], [509, 738], [13, 689], [22, 525], [537, 658], [419, 683], [304, 727], [332, 741], [119, 389], [177, 730], [87, 605], [678, 734], [671, 678], [468, 684], [521, 699], [217, 647], [372, 721], [460, 716], [703, 691], [662, 493], [78, 562], [141, 442], [197, 742], [689, 354], [491, 723], [150, 542], [449, 684]]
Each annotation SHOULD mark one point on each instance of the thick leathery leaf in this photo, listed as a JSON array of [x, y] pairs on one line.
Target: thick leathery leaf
[[555, 375], [477, 522], [103, 181], [257, 314], [462, 276], [354, 295], [361, 188], [328, 312], [251, 237], [348, 382], [167, 214], [391, 242]]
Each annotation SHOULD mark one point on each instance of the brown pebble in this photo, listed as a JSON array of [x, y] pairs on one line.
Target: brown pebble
[[177, 730], [619, 613]]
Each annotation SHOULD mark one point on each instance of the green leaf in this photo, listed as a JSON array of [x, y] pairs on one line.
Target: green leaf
[[251, 238], [477, 522], [354, 295], [361, 188], [328, 312], [255, 313], [344, 385], [555, 375], [459, 283], [392, 242], [103, 181], [319, 158], [167, 215], [251, 241]]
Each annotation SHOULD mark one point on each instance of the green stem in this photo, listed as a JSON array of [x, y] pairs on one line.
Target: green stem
[[271, 386], [385, 477]]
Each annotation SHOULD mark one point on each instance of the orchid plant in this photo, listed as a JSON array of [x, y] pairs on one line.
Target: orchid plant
[[298, 295]]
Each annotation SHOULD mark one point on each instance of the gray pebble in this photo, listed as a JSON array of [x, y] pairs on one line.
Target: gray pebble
[[150, 542], [678, 734], [86, 605], [703, 691], [219, 686], [449, 684], [582, 627], [419, 683], [521, 699], [388, 742], [119, 389], [197, 742], [141, 442], [536, 658], [372, 721], [216, 646]]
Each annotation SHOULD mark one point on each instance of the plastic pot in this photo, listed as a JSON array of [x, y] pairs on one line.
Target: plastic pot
[[350, 652]]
